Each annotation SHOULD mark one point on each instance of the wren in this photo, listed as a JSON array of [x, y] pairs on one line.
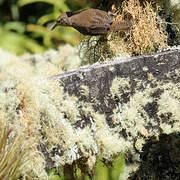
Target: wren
[[91, 22]]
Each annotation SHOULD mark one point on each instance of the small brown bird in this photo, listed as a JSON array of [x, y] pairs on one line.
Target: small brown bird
[[92, 22], [88, 22]]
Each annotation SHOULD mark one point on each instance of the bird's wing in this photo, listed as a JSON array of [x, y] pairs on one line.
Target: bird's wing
[[91, 17], [96, 17], [98, 30], [71, 13], [91, 21]]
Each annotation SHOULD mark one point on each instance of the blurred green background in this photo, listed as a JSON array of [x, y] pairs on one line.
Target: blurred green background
[[25, 24], [102, 171]]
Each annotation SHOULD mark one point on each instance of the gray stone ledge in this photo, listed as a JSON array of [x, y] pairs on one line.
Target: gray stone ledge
[[143, 72], [99, 77]]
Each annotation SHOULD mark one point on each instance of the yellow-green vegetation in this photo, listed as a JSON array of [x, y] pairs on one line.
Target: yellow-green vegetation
[[37, 114], [102, 171], [10, 163], [119, 86], [149, 112], [146, 35]]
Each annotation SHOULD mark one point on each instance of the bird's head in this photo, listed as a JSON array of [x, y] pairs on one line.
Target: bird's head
[[62, 21]]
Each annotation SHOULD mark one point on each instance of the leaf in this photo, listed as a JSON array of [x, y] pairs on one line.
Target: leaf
[[15, 25], [60, 4], [18, 43], [117, 167], [48, 17], [61, 34], [101, 171], [54, 177]]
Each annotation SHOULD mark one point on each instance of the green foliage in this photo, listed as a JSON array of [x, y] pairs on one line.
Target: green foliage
[[58, 6], [117, 167], [102, 171], [25, 25], [53, 175], [17, 42]]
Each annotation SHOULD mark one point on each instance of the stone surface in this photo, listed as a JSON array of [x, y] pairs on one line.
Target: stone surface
[[153, 124], [98, 77]]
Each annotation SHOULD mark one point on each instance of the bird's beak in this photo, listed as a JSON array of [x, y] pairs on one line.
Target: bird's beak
[[54, 26]]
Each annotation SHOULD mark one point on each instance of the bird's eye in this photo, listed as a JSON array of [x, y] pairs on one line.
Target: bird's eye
[[62, 22]]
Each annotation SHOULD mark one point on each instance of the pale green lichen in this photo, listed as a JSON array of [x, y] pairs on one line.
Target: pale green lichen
[[127, 171], [84, 90], [134, 117], [139, 144], [134, 114], [39, 106], [169, 104], [119, 85], [108, 142], [30, 102], [111, 68]]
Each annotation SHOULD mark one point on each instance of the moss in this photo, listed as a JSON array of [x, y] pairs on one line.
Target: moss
[[33, 104], [50, 118], [148, 112], [146, 35], [70, 132], [120, 85]]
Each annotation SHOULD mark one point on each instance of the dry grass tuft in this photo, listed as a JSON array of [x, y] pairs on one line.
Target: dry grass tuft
[[146, 35], [10, 163], [17, 153]]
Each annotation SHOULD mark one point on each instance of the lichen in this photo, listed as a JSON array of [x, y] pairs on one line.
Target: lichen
[[50, 118], [119, 85], [151, 109], [84, 90], [70, 131], [36, 106]]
